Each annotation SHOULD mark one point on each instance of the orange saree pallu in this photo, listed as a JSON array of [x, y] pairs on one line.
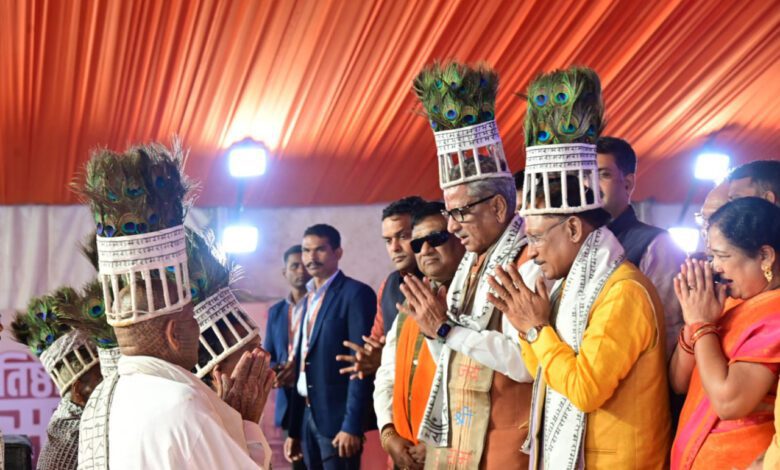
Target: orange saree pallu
[[414, 370], [750, 333]]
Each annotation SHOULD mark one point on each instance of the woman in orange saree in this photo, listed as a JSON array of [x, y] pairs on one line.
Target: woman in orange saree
[[728, 363]]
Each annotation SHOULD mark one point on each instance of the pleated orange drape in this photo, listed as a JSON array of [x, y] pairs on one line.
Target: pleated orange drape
[[326, 85]]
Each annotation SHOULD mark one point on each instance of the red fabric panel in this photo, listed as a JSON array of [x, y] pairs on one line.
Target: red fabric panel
[[327, 86]]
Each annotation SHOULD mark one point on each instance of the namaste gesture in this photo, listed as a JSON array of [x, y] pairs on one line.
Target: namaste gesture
[[523, 308]]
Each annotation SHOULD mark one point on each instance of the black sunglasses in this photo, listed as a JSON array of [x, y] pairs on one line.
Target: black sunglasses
[[434, 239]]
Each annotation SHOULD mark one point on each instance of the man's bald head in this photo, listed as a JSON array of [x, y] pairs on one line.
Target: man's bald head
[[716, 198], [172, 337]]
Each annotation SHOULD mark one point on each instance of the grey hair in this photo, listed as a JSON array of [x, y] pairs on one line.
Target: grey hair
[[505, 187]]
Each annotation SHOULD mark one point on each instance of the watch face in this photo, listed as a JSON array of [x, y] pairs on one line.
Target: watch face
[[532, 334], [444, 329]]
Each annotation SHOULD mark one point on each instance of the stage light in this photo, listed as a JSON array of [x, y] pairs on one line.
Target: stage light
[[687, 238], [712, 166], [247, 158], [240, 238]]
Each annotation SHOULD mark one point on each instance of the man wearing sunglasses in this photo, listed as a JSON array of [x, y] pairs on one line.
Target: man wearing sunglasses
[[403, 381]]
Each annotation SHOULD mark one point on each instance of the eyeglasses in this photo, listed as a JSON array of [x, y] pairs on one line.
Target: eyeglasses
[[434, 239], [460, 213], [535, 240]]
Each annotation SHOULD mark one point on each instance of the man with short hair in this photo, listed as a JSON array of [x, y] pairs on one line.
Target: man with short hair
[[396, 233], [650, 248], [480, 396], [329, 412], [495, 394], [760, 178], [404, 379], [284, 319]]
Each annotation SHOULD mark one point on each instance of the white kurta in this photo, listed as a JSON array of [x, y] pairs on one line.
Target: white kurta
[[385, 378], [163, 417]]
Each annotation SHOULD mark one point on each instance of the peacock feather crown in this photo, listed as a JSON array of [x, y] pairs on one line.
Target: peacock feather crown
[[88, 314], [139, 191], [66, 354], [139, 200], [38, 326], [224, 325], [460, 104], [564, 120]]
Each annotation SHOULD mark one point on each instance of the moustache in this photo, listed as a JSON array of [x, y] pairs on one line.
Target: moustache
[[313, 264]]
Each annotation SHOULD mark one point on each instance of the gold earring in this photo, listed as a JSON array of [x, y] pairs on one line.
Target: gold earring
[[768, 274]]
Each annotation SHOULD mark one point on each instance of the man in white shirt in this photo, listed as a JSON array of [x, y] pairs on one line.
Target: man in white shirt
[[481, 395], [158, 414], [153, 412]]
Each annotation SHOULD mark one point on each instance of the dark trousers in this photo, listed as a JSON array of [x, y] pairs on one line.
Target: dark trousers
[[318, 450]]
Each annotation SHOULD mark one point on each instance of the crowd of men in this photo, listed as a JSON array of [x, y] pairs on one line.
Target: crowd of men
[[426, 242]]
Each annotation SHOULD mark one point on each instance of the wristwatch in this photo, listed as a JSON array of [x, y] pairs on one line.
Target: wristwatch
[[533, 333], [444, 330]]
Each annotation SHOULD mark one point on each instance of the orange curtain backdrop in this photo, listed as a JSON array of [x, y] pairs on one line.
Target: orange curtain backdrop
[[327, 86]]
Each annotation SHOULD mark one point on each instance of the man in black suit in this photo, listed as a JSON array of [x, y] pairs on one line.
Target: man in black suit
[[330, 412]]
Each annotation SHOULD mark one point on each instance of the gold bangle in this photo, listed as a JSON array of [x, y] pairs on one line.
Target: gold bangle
[[387, 433], [702, 332]]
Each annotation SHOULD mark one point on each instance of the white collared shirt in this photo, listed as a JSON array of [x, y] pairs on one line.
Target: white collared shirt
[[163, 417], [315, 298], [297, 312]]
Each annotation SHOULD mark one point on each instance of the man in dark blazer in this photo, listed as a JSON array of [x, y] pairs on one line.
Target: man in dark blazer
[[329, 412], [284, 317]]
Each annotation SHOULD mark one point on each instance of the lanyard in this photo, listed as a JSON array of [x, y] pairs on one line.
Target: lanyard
[[312, 317], [293, 325]]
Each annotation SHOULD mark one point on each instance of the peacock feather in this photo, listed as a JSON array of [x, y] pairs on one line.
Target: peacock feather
[[564, 106], [86, 312], [141, 190], [90, 251], [39, 326], [209, 269], [454, 95]]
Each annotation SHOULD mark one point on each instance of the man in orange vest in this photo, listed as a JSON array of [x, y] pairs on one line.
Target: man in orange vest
[[403, 381]]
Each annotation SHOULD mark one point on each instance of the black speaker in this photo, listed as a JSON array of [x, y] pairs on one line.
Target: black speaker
[[18, 452]]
